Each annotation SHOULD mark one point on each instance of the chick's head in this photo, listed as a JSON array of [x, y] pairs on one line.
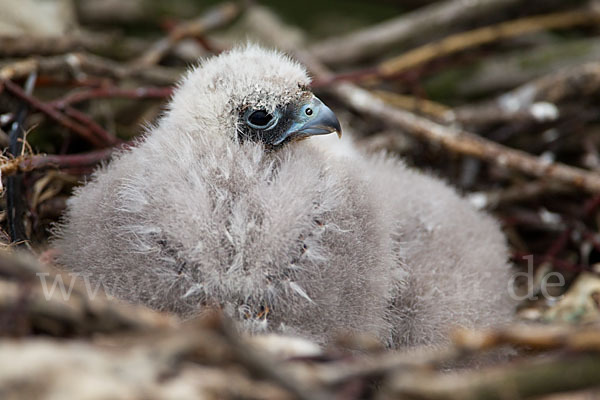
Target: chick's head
[[250, 94]]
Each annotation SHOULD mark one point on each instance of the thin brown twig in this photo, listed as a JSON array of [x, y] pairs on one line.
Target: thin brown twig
[[527, 379], [398, 66], [88, 159], [518, 380], [112, 92], [15, 46], [541, 337], [214, 18], [83, 131], [466, 143], [374, 40], [76, 40], [79, 312], [254, 361], [377, 365], [582, 80], [106, 137], [79, 65], [414, 104], [60, 161], [516, 193], [477, 37]]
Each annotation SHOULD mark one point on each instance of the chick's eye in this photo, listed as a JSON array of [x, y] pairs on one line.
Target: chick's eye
[[260, 118]]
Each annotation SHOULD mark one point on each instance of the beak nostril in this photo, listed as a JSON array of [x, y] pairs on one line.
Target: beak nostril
[[321, 121]]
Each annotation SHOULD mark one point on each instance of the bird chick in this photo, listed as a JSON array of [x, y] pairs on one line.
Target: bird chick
[[221, 203]]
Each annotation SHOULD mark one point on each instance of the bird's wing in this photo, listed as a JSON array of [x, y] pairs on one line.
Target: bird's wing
[[452, 259]]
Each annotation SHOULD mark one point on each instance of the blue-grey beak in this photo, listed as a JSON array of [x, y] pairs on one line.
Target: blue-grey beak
[[314, 118]]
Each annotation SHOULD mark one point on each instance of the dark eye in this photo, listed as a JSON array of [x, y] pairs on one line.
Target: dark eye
[[260, 118]]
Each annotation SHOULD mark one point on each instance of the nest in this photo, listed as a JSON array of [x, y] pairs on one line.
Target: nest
[[497, 97]]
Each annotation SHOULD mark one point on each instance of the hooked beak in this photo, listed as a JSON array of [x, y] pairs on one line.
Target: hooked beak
[[315, 118]]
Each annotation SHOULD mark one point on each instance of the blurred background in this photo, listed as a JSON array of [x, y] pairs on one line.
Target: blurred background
[[498, 97]]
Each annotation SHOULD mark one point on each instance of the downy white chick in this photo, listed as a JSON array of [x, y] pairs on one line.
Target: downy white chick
[[222, 204]]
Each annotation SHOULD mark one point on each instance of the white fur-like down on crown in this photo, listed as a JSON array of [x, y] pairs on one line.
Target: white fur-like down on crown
[[211, 95]]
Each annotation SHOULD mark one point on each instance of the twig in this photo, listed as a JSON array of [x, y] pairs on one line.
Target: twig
[[488, 34], [427, 107], [261, 365], [104, 136], [78, 63], [516, 193], [517, 380], [534, 336], [370, 366], [214, 18], [378, 38], [18, 69], [523, 380], [14, 201], [15, 46], [112, 92], [66, 161], [53, 313], [79, 40], [465, 142], [97, 136], [520, 103], [398, 67]]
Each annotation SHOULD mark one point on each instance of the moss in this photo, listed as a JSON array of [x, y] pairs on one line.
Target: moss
[[443, 86], [554, 53], [44, 139]]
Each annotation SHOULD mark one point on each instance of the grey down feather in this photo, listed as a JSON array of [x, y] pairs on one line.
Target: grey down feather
[[293, 239]]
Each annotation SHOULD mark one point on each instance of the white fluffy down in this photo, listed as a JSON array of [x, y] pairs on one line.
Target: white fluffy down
[[295, 241]]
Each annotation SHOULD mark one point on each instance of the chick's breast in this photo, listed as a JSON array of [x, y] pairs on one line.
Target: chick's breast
[[288, 242]]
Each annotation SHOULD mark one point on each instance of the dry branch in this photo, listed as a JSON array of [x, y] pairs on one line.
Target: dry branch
[[377, 365], [477, 37], [558, 373], [422, 106], [517, 381], [378, 38], [466, 143], [134, 370], [576, 82], [53, 312], [64, 161], [17, 46], [77, 64], [214, 18], [540, 337], [517, 193], [265, 368], [25, 45], [89, 159], [503, 72], [92, 133], [112, 92]]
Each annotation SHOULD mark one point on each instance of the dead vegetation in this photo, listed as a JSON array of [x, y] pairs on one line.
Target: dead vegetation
[[499, 97]]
